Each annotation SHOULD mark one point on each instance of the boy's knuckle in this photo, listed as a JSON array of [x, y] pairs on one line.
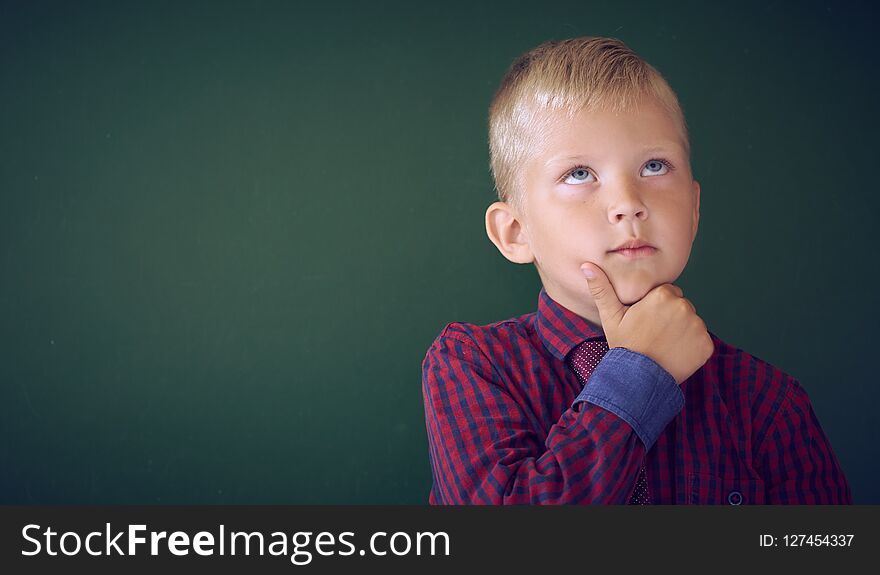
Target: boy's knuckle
[[707, 341], [666, 290]]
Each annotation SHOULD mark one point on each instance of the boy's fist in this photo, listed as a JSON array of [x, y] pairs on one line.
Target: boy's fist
[[662, 325]]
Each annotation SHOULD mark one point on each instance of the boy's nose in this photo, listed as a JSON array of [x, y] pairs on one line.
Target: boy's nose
[[627, 204]]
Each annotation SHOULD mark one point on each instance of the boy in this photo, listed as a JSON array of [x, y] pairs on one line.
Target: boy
[[614, 391]]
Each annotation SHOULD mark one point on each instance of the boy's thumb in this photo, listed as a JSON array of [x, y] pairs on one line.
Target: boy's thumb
[[602, 291]]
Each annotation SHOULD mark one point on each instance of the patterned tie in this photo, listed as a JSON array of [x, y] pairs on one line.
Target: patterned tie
[[584, 359]]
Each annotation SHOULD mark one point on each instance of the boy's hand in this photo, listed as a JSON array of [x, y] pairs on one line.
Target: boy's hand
[[662, 325]]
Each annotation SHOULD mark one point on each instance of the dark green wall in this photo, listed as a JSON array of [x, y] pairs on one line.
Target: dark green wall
[[229, 231]]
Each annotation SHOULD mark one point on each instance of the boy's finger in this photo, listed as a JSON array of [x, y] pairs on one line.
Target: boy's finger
[[610, 308]]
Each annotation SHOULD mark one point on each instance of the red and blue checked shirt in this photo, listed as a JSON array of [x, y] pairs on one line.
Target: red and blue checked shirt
[[509, 422]]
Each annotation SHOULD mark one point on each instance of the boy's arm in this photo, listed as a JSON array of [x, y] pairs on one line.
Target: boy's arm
[[485, 448], [797, 463]]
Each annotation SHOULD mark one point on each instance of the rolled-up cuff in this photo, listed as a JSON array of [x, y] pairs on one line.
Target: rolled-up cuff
[[637, 389]]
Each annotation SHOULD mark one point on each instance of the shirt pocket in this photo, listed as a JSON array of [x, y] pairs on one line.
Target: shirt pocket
[[705, 489]]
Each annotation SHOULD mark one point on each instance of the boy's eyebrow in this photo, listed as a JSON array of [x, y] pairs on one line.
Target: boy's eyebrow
[[646, 150]]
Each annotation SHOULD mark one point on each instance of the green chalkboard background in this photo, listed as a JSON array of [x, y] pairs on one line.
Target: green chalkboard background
[[229, 231]]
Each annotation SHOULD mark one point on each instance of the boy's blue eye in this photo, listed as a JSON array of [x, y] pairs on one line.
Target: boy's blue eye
[[580, 174], [577, 176], [656, 165]]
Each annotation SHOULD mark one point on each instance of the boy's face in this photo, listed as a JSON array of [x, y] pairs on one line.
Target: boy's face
[[594, 185]]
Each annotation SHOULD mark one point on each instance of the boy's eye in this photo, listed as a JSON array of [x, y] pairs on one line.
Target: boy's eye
[[654, 167], [577, 176], [581, 174]]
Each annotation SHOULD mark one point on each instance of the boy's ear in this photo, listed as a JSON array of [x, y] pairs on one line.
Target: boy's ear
[[696, 191], [506, 231]]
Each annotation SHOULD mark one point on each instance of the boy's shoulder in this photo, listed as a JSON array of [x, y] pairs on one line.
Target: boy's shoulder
[[736, 374], [728, 357], [517, 327]]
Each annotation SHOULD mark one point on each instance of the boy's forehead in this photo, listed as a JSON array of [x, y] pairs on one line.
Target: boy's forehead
[[566, 136], [567, 154]]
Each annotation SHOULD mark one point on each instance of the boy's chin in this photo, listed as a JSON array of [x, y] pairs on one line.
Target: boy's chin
[[632, 291]]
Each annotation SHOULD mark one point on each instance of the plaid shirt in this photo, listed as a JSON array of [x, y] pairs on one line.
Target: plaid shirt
[[509, 422]]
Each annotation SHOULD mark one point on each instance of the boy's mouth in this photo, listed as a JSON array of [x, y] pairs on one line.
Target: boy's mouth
[[635, 248], [641, 252]]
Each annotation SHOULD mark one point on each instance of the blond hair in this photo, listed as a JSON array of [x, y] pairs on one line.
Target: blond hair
[[588, 73]]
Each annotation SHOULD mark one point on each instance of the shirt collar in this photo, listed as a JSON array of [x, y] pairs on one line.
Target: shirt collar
[[560, 328]]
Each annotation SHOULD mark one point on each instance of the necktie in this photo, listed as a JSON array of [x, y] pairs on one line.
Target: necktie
[[584, 359]]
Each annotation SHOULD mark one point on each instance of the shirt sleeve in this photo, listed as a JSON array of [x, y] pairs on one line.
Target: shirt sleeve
[[486, 448], [637, 389], [797, 463]]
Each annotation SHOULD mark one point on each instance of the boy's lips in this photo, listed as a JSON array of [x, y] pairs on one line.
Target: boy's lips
[[636, 248], [641, 252]]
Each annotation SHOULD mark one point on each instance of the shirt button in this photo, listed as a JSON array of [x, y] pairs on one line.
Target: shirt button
[[735, 498]]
